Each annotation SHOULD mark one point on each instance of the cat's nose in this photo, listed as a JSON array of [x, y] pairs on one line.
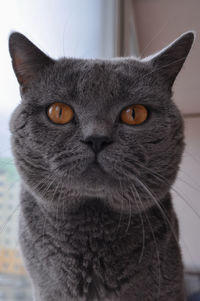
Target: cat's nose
[[97, 143]]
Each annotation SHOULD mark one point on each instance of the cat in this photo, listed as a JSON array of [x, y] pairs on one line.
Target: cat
[[97, 144]]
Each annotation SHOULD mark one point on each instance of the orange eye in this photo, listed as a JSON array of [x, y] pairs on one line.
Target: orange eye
[[60, 113], [135, 114]]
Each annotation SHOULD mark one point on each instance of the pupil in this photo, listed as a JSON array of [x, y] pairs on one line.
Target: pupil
[[60, 113], [133, 113]]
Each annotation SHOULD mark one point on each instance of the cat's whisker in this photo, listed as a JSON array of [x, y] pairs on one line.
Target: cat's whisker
[[156, 245], [188, 184], [28, 166], [45, 218], [63, 207], [194, 157], [186, 201], [171, 228], [189, 177], [161, 178], [42, 187], [48, 185], [129, 215], [166, 219], [58, 204], [121, 207], [135, 195], [3, 226], [165, 66], [164, 26], [157, 203], [141, 184], [8, 219]]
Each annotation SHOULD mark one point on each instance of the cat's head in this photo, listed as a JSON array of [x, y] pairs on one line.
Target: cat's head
[[97, 129]]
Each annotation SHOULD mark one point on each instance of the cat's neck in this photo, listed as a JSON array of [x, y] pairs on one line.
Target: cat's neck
[[94, 218]]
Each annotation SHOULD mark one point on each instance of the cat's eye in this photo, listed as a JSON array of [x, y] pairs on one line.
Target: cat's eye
[[134, 114], [60, 113]]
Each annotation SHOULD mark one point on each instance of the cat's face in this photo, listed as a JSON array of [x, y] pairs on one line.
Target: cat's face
[[134, 165]]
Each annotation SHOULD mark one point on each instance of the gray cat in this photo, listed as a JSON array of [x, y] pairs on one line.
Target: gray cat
[[97, 144]]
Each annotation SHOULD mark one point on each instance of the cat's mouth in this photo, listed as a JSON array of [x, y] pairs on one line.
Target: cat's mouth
[[94, 173], [95, 166]]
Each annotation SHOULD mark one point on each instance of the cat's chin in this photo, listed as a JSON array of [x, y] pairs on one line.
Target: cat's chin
[[94, 181]]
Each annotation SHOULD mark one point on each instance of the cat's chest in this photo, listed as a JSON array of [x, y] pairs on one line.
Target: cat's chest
[[88, 255], [85, 256]]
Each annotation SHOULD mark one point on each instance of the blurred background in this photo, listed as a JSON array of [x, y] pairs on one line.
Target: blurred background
[[101, 29]]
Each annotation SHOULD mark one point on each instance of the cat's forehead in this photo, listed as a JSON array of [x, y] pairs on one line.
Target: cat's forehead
[[95, 69], [93, 79]]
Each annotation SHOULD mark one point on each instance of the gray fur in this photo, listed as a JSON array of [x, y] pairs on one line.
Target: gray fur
[[99, 232]]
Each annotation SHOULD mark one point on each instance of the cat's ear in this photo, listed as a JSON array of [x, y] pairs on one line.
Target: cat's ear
[[169, 61], [27, 59]]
